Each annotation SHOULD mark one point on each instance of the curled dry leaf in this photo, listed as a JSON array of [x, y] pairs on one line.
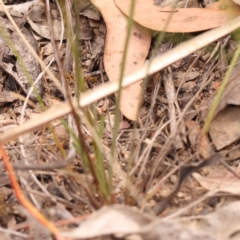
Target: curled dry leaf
[[181, 19], [138, 48]]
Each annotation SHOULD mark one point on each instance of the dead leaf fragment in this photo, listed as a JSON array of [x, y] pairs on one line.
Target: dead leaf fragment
[[183, 76], [182, 19], [42, 28], [27, 59], [138, 48], [225, 127], [108, 220], [19, 10], [90, 14], [219, 178], [222, 224]]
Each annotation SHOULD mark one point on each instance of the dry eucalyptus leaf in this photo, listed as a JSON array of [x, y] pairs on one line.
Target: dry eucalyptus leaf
[[225, 127], [109, 220], [43, 30], [37, 13], [219, 178], [181, 19], [40, 25], [37, 20], [19, 10], [27, 59], [222, 224], [90, 14], [97, 46], [138, 48], [6, 97]]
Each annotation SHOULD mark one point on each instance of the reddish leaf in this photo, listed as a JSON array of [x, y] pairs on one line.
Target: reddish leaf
[[182, 19], [138, 48]]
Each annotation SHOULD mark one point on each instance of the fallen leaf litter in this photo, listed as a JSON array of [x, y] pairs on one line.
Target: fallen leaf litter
[[186, 78]]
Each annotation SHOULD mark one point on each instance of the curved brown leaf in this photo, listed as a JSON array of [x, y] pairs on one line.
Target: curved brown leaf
[[182, 19], [139, 44]]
